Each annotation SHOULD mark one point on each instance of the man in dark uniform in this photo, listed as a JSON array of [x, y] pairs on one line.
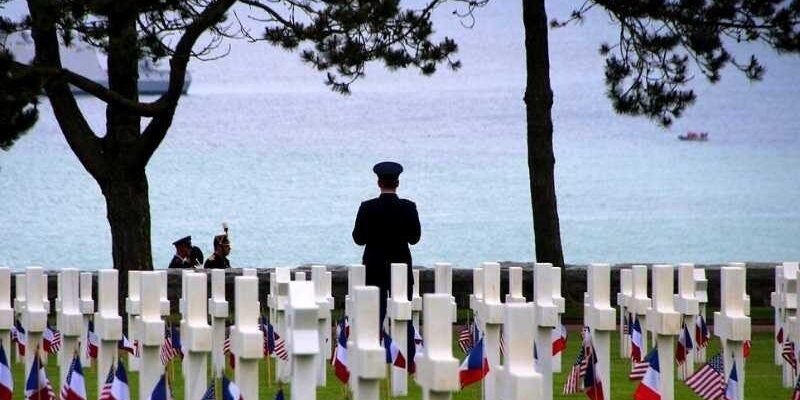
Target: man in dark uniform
[[222, 247], [386, 225], [186, 255]]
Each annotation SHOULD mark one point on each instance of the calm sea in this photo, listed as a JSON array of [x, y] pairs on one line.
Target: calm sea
[[262, 144]]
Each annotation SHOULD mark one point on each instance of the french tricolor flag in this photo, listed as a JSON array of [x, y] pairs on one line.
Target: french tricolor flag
[[230, 391], [393, 354], [649, 387], [559, 338], [637, 344], [74, 387], [6, 380], [119, 386], [475, 366], [732, 388], [340, 358], [684, 346]]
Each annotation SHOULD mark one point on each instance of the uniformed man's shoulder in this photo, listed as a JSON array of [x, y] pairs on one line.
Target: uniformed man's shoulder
[[408, 203], [370, 202]]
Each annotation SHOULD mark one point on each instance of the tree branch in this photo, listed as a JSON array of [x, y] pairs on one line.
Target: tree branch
[[93, 88], [157, 128]]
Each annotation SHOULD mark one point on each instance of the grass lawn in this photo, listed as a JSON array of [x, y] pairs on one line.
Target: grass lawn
[[763, 379]]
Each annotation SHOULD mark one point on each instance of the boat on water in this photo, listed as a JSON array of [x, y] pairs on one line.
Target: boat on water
[[85, 60], [694, 137]]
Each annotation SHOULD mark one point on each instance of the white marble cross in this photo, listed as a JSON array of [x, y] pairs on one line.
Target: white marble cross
[[398, 310], [196, 340], [164, 304], [775, 300], [356, 276], [546, 320], [701, 295], [218, 311], [150, 334], [283, 275], [520, 380], [558, 300], [324, 304], [70, 319], [416, 300], [19, 304], [133, 307], [491, 315], [247, 340], [366, 358], [443, 277], [601, 320], [640, 303], [788, 299], [437, 370], [665, 324], [623, 297], [87, 309], [107, 322], [303, 339], [6, 311], [688, 306], [515, 286], [34, 318], [731, 324], [476, 298]]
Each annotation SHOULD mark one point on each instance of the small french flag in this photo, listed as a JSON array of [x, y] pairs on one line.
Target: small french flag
[[732, 388], [6, 379], [637, 344], [475, 366], [393, 354], [559, 339], [649, 387]]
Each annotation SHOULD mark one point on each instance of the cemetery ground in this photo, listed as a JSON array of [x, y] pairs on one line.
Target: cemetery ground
[[763, 377]]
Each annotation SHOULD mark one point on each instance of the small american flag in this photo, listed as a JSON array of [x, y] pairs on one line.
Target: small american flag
[[210, 393], [626, 328], [273, 343], [51, 340], [105, 392], [465, 339], [796, 392], [170, 349], [574, 379], [502, 344], [638, 370], [709, 382], [788, 354]]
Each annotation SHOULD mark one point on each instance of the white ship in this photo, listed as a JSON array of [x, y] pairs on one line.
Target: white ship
[[85, 60]]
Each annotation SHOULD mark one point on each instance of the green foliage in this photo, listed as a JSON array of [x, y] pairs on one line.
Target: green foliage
[[18, 100], [649, 69]]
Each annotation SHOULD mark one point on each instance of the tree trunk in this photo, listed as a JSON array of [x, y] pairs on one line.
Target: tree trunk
[[541, 161], [128, 211]]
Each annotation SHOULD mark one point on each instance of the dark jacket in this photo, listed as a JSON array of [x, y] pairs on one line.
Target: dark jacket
[[216, 261], [386, 225], [196, 258]]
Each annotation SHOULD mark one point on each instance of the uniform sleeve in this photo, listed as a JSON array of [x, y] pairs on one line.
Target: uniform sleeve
[[360, 229], [414, 230]]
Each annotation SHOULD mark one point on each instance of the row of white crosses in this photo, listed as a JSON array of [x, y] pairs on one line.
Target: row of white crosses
[[663, 316]]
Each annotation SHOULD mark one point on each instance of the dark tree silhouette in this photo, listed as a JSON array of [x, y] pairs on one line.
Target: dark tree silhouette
[[336, 36], [662, 45]]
